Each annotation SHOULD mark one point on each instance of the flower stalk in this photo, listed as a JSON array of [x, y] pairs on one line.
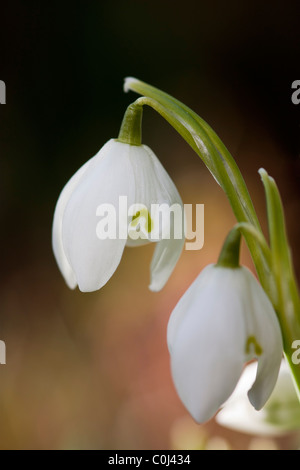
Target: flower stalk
[[131, 127], [230, 253]]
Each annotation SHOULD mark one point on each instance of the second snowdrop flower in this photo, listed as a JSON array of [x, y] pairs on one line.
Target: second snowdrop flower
[[224, 320]]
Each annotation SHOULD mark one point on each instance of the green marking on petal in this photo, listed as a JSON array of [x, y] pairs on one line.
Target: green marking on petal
[[252, 342], [144, 213]]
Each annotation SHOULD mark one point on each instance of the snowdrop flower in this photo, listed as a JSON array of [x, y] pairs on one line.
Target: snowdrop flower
[[224, 320], [280, 415], [118, 169]]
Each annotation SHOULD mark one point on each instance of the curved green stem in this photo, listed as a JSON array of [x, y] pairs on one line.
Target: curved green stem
[[248, 229], [215, 156], [230, 253], [200, 132]]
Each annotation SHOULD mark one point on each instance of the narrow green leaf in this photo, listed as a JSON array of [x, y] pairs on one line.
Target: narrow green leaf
[[288, 307]]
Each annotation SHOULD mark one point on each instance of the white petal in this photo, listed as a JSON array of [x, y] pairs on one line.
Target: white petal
[[154, 186], [168, 251], [223, 320], [206, 357], [166, 255], [187, 300], [280, 415], [108, 177], [239, 415], [57, 243], [268, 334]]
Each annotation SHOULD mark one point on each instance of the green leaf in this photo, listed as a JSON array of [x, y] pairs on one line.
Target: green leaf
[[288, 303]]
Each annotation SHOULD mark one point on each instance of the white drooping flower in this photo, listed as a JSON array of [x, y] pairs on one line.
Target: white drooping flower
[[279, 416], [224, 320], [118, 169]]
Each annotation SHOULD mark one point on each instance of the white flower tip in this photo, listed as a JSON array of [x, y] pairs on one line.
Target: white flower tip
[[155, 286], [263, 386], [201, 416], [259, 394], [86, 287], [92, 283], [255, 400], [128, 82], [72, 284]]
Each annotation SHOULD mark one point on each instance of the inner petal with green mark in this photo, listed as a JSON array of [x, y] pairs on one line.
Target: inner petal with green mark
[[252, 345], [143, 218]]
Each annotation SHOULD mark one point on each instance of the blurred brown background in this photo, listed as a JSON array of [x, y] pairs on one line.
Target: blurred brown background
[[92, 370]]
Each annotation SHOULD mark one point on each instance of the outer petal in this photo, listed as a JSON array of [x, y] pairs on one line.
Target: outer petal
[[57, 243], [268, 334], [109, 176], [226, 312], [154, 186], [187, 300], [166, 255], [207, 349]]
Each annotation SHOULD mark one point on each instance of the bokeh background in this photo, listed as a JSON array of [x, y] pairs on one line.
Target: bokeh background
[[92, 370]]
